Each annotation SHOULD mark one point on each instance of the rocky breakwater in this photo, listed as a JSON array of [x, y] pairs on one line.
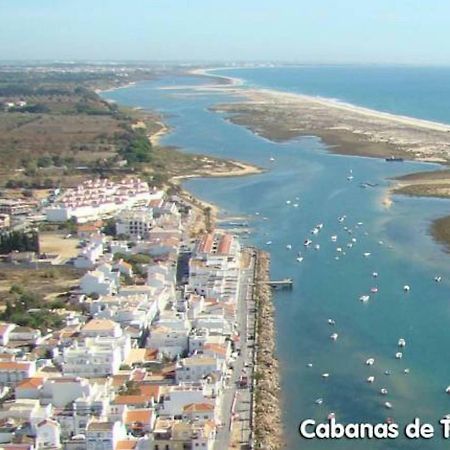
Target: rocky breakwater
[[268, 428]]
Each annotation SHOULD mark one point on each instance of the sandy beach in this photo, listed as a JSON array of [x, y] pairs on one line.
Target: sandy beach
[[346, 128]]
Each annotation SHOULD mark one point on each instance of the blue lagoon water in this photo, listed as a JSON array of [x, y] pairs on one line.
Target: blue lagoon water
[[402, 252]]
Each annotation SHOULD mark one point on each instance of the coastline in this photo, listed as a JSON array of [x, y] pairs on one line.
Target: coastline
[[267, 420], [350, 130]]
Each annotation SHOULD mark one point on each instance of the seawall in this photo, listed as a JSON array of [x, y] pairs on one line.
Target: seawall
[[268, 427]]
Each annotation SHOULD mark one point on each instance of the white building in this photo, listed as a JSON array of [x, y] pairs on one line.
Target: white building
[[95, 199], [195, 368], [5, 331], [48, 434], [99, 282], [176, 398], [104, 435], [135, 223], [170, 342], [89, 256], [102, 328], [12, 372], [95, 357]]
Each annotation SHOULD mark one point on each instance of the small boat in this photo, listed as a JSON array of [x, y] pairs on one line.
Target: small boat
[[387, 372], [269, 243], [374, 290], [289, 247], [307, 243], [334, 238], [366, 254], [336, 258], [375, 274], [447, 390], [295, 205], [353, 240], [401, 342], [318, 401], [339, 250], [325, 375], [364, 298], [438, 279], [388, 405], [399, 355], [380, 242], [309, 365], [406, 288], [371, 379], [350, 178], [288, 202], [334, 337], [319, 226], [317, 247], [394, 159], [331, 322], [383, 391], [332, 415], [406, 371], [349, 245], [370, 362], [341, 219], [315, 231], [299, 259], [271, 158]]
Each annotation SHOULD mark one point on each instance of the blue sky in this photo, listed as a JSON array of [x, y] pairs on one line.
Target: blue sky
[[333, 31]]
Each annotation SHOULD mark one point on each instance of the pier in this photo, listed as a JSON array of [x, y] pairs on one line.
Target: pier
[[285, 283]]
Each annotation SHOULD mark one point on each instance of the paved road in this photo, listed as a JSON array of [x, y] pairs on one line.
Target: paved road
[[245, 320]]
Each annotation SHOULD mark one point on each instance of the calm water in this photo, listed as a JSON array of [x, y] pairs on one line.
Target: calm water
[[326, 287], [422, 92]]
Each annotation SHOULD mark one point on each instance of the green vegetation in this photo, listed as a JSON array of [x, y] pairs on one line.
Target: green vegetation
[[138, 149], [29, 309], [19, 241], [137, 261]]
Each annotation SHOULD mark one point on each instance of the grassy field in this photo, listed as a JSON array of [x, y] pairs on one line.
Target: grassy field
[[55, 242], [47, 282]]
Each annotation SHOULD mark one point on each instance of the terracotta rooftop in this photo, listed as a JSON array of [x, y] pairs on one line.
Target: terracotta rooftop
[[216, 348], [126, 445], [31, 383], [139, 415], [100, 325], [198, 407], [14, 365], [225, 244], [137, 399]]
